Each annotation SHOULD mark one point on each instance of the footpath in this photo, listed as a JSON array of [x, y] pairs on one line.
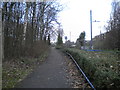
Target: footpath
[[50, 74]]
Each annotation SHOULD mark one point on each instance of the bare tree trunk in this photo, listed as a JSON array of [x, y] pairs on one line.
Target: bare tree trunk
[[1, 38], [25, 24]]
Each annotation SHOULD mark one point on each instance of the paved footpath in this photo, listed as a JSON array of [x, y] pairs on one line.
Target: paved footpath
[[50, 74]]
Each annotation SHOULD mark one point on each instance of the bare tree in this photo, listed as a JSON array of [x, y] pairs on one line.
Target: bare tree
[[25, 24]]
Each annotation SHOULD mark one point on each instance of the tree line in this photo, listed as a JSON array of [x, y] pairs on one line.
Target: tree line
[[28, 25]]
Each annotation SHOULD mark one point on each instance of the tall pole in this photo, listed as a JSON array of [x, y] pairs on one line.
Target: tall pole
[[70, 36], [91, 28]]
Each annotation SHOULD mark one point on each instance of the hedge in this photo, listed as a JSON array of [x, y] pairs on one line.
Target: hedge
[[103, 72]]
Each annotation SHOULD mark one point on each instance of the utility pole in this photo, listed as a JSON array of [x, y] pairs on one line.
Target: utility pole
[[70, 36], [91, 28], [91, 42]]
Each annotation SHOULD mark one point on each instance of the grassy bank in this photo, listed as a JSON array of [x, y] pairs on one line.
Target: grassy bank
[[102, 68], [15, 70]]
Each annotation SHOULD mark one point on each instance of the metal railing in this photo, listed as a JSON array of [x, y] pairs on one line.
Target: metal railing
[[81, 71]]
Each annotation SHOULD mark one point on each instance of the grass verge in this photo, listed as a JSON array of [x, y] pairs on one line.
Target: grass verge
[[16, 70]]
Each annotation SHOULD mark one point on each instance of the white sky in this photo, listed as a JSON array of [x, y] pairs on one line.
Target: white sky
[[75, 18]]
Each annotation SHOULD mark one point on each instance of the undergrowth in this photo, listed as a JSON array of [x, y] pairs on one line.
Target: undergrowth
[[15, 70]]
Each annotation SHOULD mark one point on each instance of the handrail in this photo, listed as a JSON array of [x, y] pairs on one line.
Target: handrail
[[81, 71]]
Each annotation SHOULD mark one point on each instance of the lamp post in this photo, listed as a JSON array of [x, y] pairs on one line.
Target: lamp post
[[91, 28], [91, 42]]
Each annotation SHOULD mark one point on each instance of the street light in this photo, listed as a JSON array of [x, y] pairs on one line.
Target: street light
[[91, 43], [91, 28]]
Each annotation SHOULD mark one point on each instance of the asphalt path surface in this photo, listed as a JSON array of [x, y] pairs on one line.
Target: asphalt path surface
[[50, 74]]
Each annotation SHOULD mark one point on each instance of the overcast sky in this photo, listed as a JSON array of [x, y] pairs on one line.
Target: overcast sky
[[75, 18]]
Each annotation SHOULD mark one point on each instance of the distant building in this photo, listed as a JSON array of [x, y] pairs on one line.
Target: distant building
[[97, 40], [100, 37]]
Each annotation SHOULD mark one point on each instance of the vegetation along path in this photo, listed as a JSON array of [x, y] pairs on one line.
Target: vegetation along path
[[50, 74]]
